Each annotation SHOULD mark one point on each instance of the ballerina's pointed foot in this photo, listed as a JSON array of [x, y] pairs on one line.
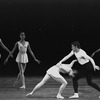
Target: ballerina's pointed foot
[[29, 94], [59, 96]]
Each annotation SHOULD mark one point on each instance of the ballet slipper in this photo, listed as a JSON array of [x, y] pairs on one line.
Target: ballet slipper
[[59, 96], [29, 94], [22, 87]]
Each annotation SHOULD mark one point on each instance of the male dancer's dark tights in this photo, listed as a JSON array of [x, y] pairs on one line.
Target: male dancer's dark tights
[[85, 70]]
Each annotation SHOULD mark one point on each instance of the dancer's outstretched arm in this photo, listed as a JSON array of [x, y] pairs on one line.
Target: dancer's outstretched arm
[[4, 47], [95, 52], [65, 58], [92, 61], [31, 52]]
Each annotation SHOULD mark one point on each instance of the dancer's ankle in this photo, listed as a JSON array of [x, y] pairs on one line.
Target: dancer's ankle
[[75, 93]]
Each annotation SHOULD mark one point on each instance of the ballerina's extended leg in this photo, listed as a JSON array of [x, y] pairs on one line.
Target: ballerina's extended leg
[[44, 80]]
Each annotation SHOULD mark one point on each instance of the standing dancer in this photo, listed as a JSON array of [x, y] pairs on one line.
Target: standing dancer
[[22, 58], [54, 72], [87, 65]]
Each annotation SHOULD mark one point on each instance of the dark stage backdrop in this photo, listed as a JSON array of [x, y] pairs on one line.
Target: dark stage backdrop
[[50, 27]]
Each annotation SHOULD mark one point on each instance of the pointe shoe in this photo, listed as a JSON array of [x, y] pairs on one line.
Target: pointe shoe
[[59, 96], [29, 94], [22, 87], [75, 96]]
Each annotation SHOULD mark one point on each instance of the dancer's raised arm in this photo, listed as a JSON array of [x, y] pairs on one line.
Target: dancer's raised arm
[[98, 50]]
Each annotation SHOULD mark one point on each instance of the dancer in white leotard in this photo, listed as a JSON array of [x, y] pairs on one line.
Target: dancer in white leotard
[[22, 57], [54, 72]]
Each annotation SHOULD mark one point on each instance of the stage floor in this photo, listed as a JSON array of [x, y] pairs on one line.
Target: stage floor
[[47, 92]]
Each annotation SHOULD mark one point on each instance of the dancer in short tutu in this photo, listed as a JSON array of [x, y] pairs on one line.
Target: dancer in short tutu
[[54, 72], [22, 57]]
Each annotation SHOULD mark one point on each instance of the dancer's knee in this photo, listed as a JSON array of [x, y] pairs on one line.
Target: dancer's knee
[[65, 83], [21, 71]]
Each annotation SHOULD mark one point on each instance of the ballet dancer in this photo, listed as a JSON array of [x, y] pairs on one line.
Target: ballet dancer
[[22, 58], [54, 72], [87, 66]]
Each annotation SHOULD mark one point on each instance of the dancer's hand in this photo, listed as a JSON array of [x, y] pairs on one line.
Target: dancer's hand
[[37, 61], [71, 73], [96, 68], [29, 94]]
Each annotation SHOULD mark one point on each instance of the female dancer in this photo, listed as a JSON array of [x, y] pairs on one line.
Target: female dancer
[[22, 57], [87, 65], [54, 72]]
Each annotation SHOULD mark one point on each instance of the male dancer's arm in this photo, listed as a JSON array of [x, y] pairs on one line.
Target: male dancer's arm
[[65, 58], [92, 61]]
